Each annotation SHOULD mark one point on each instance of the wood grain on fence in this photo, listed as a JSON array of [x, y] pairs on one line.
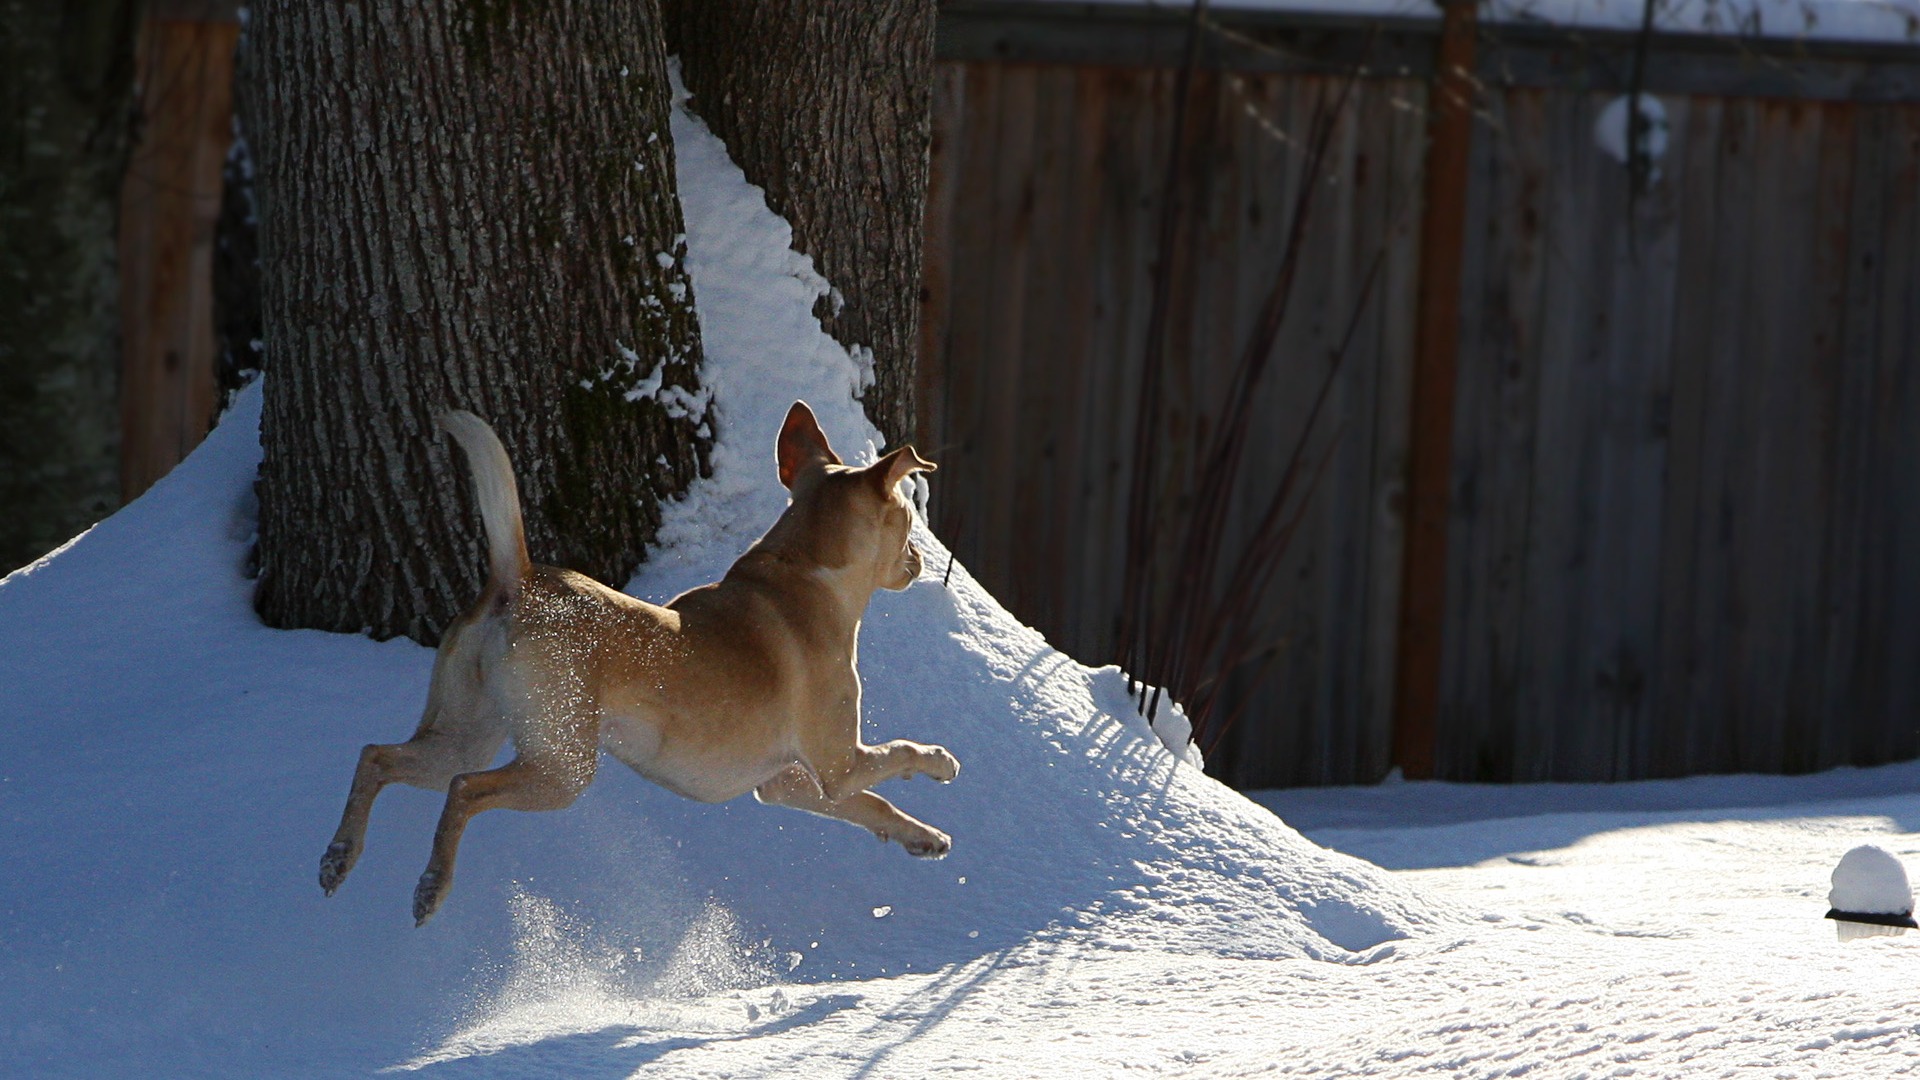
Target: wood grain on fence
[[1685, 524], [169, 203]]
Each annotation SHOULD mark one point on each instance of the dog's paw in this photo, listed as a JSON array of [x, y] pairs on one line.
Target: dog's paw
[[933, 844], [939, 764], [335, 864], [427, 896]]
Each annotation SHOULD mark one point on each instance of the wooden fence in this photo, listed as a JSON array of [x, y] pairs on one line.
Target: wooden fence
[[169, 203], [1686, 475]]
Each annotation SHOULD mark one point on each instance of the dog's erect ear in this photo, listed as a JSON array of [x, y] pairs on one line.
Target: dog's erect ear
[[898, 465], [801, 444]]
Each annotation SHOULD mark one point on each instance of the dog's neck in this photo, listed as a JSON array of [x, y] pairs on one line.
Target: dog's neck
[[802, 546]]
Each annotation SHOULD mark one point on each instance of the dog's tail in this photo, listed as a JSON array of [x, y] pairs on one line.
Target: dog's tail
[[498, 496]]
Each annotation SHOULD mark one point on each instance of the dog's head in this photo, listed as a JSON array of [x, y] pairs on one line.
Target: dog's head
[[854, 519]]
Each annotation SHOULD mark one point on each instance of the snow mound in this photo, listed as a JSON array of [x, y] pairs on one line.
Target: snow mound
[[170, 772], [1870, 881]]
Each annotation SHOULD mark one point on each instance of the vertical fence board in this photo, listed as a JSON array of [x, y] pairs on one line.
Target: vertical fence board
[[1644, 254], [1782, 449], [1033, 438], [1013, 223], [1688, 517], [169, 204], [1855, 661], [1394, 364], [1822, 729], [1729, 379], [931, 377], [967, 361], [1081, 365], [1558, 557], [1369, 175], [1470, 739], [1899, 344]]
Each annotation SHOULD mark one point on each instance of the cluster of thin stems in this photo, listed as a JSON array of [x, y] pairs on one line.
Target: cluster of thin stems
[[1185, 635]]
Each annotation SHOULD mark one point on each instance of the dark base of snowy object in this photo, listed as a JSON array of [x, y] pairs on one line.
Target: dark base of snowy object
[[1874, 918]]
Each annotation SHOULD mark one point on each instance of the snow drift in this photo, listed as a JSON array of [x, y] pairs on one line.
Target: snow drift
[[170, 772]]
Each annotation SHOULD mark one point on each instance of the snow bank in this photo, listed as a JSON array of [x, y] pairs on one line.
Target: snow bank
[[170, 772]]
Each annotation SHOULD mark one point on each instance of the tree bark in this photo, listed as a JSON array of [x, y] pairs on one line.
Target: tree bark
[[463, 204], [66, 75], [827, 104]]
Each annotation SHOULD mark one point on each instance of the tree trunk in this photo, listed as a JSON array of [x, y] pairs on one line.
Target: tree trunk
[[827, 105], [463, 205], [65, 87]]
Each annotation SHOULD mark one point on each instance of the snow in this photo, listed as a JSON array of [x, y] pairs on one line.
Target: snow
[[1813, 20], [170, 772], [1869, 880], [1611, 136], [1176, 733]]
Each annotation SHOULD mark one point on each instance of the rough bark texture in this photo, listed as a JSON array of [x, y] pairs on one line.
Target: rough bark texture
[[827, 105], [463, 204], [65, 86]]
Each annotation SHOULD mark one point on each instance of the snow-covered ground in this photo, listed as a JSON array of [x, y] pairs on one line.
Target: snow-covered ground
[[170, 772]]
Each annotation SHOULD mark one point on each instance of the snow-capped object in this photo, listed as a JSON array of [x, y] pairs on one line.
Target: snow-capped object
[[1870, 895], [1870, 880], [1176, 734], [1610, 130]]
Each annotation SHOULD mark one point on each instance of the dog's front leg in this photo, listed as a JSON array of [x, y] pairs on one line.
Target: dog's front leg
[[844, 772], [796, 788], [521, 784]]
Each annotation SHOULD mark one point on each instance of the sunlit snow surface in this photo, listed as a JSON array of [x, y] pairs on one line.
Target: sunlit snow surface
[[170, 772]]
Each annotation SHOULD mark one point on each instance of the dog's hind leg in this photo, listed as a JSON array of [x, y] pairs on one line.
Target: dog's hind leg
[[796, 788], [548, 783], [430, 760], [459, 732]]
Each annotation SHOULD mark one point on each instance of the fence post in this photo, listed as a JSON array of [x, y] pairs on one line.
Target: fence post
[[1416, 701], [169, 204]]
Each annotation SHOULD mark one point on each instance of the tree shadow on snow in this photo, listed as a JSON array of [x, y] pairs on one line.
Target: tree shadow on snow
[[618, 1050]]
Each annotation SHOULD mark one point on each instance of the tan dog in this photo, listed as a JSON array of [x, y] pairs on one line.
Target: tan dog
[[747, 684]]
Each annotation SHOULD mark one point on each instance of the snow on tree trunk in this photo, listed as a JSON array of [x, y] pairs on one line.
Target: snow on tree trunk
[[463, 204], [827, 105], [65, 81]]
